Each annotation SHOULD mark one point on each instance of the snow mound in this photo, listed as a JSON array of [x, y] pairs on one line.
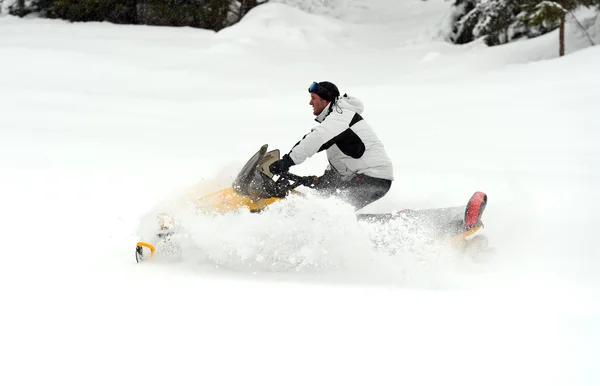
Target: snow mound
[[339, 9], [286, 24]]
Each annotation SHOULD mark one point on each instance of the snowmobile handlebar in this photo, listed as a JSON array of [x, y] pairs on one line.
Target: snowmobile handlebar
[[296, 180]]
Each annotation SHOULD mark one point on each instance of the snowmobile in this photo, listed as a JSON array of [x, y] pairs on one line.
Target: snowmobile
[[255, 188]]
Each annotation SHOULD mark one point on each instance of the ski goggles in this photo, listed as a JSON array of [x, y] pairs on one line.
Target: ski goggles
[[314, 88]]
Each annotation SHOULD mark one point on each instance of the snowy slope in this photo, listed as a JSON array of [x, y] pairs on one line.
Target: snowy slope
[[120, 120]]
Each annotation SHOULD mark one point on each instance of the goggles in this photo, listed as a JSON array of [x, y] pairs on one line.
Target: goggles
[[314, 88]]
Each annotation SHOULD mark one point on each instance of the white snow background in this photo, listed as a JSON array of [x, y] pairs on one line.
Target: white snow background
[[102, 125]]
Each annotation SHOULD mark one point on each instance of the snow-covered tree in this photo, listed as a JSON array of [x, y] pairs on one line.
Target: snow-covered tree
[[502, 21], [207, 14], [16, 7], [551, 15], [493, 19]]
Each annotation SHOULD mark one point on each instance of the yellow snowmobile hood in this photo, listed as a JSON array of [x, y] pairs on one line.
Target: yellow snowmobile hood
[[227, 200]]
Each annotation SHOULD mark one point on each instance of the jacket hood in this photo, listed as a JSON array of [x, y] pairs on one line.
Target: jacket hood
[[345, 102], [351, 103]]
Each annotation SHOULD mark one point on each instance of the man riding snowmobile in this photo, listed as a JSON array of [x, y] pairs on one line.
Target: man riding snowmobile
[[359, 170]]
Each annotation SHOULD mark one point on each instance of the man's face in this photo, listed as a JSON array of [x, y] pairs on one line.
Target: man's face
[[317, 103]]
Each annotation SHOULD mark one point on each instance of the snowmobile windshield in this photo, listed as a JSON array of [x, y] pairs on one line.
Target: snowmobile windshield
[[254, 180], [245, 175]]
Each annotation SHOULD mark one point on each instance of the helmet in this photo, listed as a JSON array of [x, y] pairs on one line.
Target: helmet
[[325, 90]]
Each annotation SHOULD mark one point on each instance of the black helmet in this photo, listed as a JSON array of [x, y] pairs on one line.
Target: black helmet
[[325, 90]]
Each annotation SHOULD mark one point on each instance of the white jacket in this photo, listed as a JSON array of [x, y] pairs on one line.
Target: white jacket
[[352, 145]]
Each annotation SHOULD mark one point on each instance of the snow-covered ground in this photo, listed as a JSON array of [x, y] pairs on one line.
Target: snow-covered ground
[[102, 124]]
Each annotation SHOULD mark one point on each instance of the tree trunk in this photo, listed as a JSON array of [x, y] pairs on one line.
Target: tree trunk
[[561, 33], [133, 12]]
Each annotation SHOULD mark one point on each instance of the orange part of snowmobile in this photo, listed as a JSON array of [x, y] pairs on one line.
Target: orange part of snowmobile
[[228, 200]]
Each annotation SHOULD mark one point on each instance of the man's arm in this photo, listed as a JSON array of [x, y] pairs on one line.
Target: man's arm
[[315, 141]]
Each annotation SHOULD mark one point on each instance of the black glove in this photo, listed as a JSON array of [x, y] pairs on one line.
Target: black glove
[[282, 165]]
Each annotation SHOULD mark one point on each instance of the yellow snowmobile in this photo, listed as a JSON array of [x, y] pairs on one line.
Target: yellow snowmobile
[[255, 189]]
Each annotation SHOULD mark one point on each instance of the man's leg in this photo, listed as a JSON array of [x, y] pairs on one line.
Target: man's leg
[[363, 190], [360, 191]]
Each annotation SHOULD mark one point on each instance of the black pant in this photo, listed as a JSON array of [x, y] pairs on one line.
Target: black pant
[[359, 191]]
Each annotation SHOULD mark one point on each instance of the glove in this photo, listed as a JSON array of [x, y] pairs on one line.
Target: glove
[[282, 165]]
